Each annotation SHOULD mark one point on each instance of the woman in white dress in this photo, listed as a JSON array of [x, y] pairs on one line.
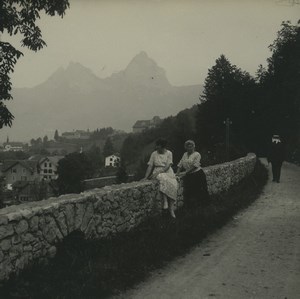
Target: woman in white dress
[[159, 167]]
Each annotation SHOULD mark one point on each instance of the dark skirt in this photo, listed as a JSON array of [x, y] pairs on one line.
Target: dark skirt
[[195, 191]]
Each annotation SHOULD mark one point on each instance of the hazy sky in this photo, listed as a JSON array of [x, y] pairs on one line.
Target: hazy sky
[[185, 37]]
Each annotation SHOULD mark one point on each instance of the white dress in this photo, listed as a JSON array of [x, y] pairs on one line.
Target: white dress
[[167, 181]]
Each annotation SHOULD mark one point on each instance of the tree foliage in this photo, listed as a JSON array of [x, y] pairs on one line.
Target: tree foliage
[[72, 170], [56, 135], [258, 107], [281, 87], [228, 93], [103, 133], [96, 156], [122, 175], [108, 148], [19, 17]]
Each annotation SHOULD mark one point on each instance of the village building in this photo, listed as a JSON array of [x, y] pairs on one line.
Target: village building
[[142, 125], [24, 191], [78, 134], [36, 168], [14, 146], [19, 170], [47, 166], [112, 161]]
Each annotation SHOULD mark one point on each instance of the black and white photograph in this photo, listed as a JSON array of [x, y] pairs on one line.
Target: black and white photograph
[[149, 149]]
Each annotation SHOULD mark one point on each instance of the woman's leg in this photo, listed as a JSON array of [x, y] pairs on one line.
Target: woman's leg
[[165, 201], [171, 207]]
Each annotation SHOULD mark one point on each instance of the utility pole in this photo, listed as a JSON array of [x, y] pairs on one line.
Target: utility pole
[[227, 123]]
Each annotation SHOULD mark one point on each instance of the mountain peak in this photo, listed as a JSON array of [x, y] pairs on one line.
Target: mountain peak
[[143, 70], [74, 75], [76, 67], [141, 56], [142, 60]]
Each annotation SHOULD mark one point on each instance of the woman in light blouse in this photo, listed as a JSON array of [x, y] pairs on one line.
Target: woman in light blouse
[[159, 167], [194, 179]]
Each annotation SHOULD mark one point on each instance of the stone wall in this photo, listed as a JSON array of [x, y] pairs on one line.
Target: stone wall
[[31, 231]]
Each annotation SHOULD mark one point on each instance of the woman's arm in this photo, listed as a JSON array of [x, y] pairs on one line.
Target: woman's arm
[[169, 162], [179, 168], [148, 172], [166, 168]]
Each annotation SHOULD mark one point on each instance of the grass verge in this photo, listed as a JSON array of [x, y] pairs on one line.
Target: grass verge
[[100, 268]]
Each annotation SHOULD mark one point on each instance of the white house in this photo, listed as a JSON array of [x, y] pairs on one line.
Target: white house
[[47, 166], [112, 160]]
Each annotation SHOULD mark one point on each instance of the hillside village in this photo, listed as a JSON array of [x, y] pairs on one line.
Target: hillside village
[[29, 172]]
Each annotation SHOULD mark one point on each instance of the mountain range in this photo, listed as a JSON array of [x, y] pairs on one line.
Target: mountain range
[[74, 98]]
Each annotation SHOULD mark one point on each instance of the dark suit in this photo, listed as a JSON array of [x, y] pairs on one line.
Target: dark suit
[[276, 157]]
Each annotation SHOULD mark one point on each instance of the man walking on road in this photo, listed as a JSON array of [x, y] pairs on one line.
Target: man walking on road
[[276, 157]]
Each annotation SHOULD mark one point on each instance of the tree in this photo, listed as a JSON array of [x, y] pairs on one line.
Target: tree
[[283, 77], [72, 170], [56, 136], [45, 139], [38, 190], [32, 142], [130, 150], [2, 190], [227, 93], [279, 89], [103, 133], [95, 155], [122, 176], [20, 17], [108, 148]]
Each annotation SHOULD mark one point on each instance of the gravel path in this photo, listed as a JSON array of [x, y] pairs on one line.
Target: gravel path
[[257, 255]]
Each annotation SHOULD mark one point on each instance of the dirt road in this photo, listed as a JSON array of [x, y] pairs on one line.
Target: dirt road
[[257, 255]]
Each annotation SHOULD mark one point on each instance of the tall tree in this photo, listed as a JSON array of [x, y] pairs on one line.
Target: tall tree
[[56, 136], [20, 17], [95, 155], [227, 94], [279, 89], [283, 79], [72, 170], [108, 148]]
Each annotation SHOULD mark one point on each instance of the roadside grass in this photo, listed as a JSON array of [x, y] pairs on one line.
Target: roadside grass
[[100, 268]]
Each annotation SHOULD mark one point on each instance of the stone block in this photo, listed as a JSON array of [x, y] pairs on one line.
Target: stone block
[[6, 230], [28, 238], [5, 244], [79, 212], [34, 223], [21, 227], [3, 219], [16, 239], [61, 222], [52, 251], [87, 217], [14, 216]]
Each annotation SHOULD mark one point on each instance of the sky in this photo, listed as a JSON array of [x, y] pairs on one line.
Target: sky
[[184, 37]]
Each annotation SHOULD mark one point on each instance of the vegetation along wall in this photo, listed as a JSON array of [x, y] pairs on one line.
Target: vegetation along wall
[[31, 231]]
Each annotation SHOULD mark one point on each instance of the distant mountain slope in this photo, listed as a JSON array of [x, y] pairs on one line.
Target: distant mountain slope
[[75, 98]]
